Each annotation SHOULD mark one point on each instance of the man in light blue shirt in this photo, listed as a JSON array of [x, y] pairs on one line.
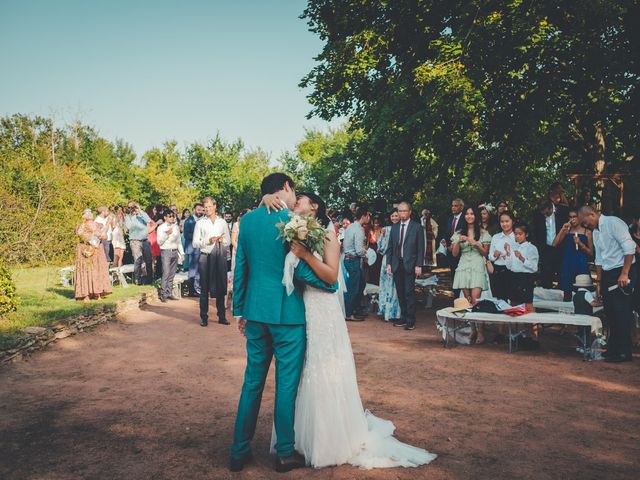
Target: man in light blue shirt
[[354, 247], [615, 251], [136, 221]]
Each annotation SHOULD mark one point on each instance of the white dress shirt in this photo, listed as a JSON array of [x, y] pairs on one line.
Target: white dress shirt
[[205, 229], [530, 254], [497, 243], [404, 238], [612, 242], [550, 222], [170, 241]]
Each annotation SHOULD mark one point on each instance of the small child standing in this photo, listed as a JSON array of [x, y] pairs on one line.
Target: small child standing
[[583, 302], [522, 261]]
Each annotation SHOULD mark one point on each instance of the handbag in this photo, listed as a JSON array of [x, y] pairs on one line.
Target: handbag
[[490, 268], [88, 251], [485, 306]]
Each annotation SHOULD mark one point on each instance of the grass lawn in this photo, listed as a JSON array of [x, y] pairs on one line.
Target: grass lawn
[[44, 301]]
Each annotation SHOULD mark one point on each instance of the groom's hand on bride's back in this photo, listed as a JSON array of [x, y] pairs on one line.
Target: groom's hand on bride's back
[[241, 323]]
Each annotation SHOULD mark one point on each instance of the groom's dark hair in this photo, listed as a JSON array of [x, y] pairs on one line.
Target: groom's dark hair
[[274, 182]]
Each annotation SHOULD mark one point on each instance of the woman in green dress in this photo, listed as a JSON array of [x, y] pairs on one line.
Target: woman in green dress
[[471, 242]]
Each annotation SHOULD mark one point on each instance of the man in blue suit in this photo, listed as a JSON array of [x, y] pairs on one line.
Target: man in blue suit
[[273, 323]]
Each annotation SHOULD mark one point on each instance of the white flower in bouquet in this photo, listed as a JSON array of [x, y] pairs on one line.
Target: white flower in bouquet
[[305, 229]]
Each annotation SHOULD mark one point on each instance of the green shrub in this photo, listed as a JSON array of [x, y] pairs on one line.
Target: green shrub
[[8, 297]]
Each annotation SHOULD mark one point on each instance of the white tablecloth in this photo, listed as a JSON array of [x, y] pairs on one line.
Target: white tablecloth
[[530, 318]]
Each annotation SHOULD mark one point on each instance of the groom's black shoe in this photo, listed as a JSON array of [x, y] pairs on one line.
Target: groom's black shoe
[[237, 464], [286, 464]]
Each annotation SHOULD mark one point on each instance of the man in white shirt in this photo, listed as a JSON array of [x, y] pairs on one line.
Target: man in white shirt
[[615, 251], [211, 235], [171, 253]]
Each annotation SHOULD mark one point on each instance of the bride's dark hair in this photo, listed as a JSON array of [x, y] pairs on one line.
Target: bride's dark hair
[[321, 213]]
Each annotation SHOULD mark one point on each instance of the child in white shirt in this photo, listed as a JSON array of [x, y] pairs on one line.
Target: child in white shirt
[[522, 261]]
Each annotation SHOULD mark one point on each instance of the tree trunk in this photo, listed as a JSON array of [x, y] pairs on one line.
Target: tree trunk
[[599, 167]]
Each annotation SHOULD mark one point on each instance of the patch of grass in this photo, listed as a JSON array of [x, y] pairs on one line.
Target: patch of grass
[[43, 301]]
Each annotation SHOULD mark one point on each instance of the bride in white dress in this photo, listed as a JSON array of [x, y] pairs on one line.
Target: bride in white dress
[[331, 426]]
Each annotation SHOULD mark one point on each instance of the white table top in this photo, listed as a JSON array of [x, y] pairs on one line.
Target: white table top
[[530, 318], [564, 307]]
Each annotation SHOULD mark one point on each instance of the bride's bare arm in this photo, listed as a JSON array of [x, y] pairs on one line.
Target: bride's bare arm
[[272, 202], [326, 270]]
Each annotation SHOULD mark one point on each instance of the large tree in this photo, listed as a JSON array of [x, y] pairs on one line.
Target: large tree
[[481, 98]]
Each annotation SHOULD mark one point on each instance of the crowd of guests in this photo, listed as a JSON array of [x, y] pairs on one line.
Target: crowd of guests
[[159, 241], [487, 249]]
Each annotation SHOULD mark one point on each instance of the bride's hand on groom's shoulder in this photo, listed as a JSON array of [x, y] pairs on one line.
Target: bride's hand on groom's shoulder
[[272, 202]]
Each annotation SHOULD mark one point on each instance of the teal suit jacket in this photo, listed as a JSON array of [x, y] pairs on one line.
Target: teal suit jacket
[[258, 292]]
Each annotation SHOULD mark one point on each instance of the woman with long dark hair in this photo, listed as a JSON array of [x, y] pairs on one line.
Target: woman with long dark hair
[[577, 244], [388, 303], [500, 279], [488, 221], [471, 243]]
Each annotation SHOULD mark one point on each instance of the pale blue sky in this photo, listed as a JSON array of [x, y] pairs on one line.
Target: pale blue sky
[[149, 71]]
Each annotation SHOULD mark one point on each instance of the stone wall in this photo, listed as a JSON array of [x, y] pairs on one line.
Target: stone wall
[[35, 338]]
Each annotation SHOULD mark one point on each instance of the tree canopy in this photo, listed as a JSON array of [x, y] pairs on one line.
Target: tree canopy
[[50, 175], [480, 98]]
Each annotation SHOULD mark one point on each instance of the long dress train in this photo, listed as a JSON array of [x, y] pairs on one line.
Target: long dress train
[[331, 426]]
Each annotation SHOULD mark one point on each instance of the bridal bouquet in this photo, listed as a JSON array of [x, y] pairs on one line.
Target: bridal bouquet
[[307, 230]]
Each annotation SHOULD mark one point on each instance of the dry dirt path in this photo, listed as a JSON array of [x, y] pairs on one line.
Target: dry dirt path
[[154, 397]]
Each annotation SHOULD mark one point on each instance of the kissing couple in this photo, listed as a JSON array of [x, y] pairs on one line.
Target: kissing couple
[[318, 416]]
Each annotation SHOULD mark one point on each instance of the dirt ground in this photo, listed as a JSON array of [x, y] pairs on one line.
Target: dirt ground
[[154, 397]]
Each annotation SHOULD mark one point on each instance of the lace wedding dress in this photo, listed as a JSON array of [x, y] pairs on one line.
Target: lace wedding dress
[[331, 426]]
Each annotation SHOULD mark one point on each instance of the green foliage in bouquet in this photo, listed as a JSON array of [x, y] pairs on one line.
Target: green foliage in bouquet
[[305, 229]]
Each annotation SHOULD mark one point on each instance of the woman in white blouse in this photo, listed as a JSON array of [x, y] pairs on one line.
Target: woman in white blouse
[[501, 277]]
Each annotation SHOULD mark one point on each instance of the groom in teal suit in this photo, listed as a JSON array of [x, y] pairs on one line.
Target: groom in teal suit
[[273, 323]]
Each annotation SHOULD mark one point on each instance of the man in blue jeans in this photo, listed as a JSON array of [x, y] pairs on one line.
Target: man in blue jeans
[[136, 221], [355, 250], [192, 254]]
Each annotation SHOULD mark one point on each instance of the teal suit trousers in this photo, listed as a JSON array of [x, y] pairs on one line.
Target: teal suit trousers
[[264, 341]]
